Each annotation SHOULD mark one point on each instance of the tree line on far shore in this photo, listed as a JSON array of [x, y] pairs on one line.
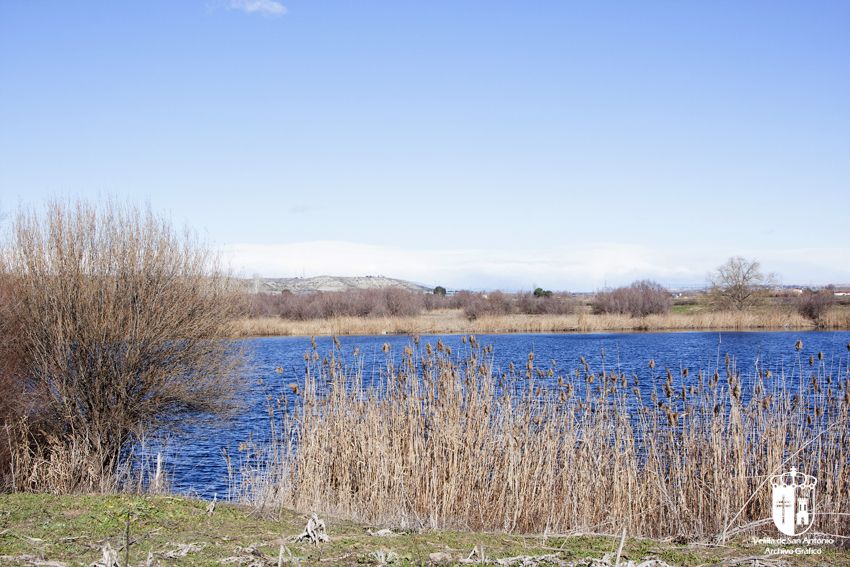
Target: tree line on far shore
[[737, 285]]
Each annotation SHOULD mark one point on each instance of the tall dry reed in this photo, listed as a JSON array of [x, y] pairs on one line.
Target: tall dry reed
[[455, 321], [444, 440]]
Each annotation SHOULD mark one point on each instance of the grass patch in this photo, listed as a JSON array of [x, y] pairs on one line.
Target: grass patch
[[72, 530]]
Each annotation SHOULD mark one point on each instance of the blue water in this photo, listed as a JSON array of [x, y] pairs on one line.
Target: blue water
[[194, 458]]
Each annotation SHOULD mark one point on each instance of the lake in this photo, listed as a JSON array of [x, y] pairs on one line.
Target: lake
[[197, 467]]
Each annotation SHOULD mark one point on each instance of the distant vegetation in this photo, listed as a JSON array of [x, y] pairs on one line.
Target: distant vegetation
[[639, 299], [394, 302], [740, 297], [815, 304]]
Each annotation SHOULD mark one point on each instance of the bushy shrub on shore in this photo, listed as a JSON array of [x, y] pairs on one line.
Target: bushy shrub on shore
[[639, 299], [116, 324], [814, 304]]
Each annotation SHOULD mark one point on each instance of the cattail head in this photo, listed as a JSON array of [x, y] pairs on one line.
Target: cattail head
[[820, 355], [294, 387], [651, 363], [798, 345], [386, 347]]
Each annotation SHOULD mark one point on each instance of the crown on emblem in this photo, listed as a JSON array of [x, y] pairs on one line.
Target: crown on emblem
[[794, 478]]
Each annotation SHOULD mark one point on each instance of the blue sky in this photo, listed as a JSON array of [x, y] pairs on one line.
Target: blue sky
[[501, 144]]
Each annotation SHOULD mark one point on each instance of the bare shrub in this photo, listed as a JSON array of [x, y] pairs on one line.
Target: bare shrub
[[353, 303], [814, 304], [739, 284], [498, 303], [548, 303], [120, 327], [13, 401], [434, 301], [639, 299]]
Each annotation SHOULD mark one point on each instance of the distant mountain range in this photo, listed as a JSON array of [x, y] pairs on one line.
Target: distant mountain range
[[327, 283]]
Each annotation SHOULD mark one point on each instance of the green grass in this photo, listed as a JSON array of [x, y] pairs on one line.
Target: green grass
[[72, 530]]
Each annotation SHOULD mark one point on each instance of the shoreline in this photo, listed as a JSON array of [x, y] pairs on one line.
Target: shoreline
[[454, 322]]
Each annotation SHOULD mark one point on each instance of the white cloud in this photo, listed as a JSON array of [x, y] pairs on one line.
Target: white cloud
[[267, 7], [583, 268]]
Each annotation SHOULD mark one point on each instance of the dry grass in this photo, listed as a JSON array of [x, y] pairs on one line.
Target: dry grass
[[441, 441], [453, 321]]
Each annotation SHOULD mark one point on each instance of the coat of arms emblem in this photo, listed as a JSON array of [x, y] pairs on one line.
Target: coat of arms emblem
[[793, 501]]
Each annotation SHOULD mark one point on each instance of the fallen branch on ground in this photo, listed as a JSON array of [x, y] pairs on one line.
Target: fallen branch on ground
[[315, 531]]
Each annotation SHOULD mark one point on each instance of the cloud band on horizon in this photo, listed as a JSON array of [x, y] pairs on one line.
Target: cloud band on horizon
[[575, 269]]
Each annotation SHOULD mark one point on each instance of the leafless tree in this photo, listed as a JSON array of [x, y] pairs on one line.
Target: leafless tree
[[739, 283], [121, 325]]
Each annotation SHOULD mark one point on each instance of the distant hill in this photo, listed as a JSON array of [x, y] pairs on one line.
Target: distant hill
[[327, 283]]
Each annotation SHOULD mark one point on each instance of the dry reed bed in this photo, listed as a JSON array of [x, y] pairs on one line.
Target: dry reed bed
[[443, 441], [453, 321]]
